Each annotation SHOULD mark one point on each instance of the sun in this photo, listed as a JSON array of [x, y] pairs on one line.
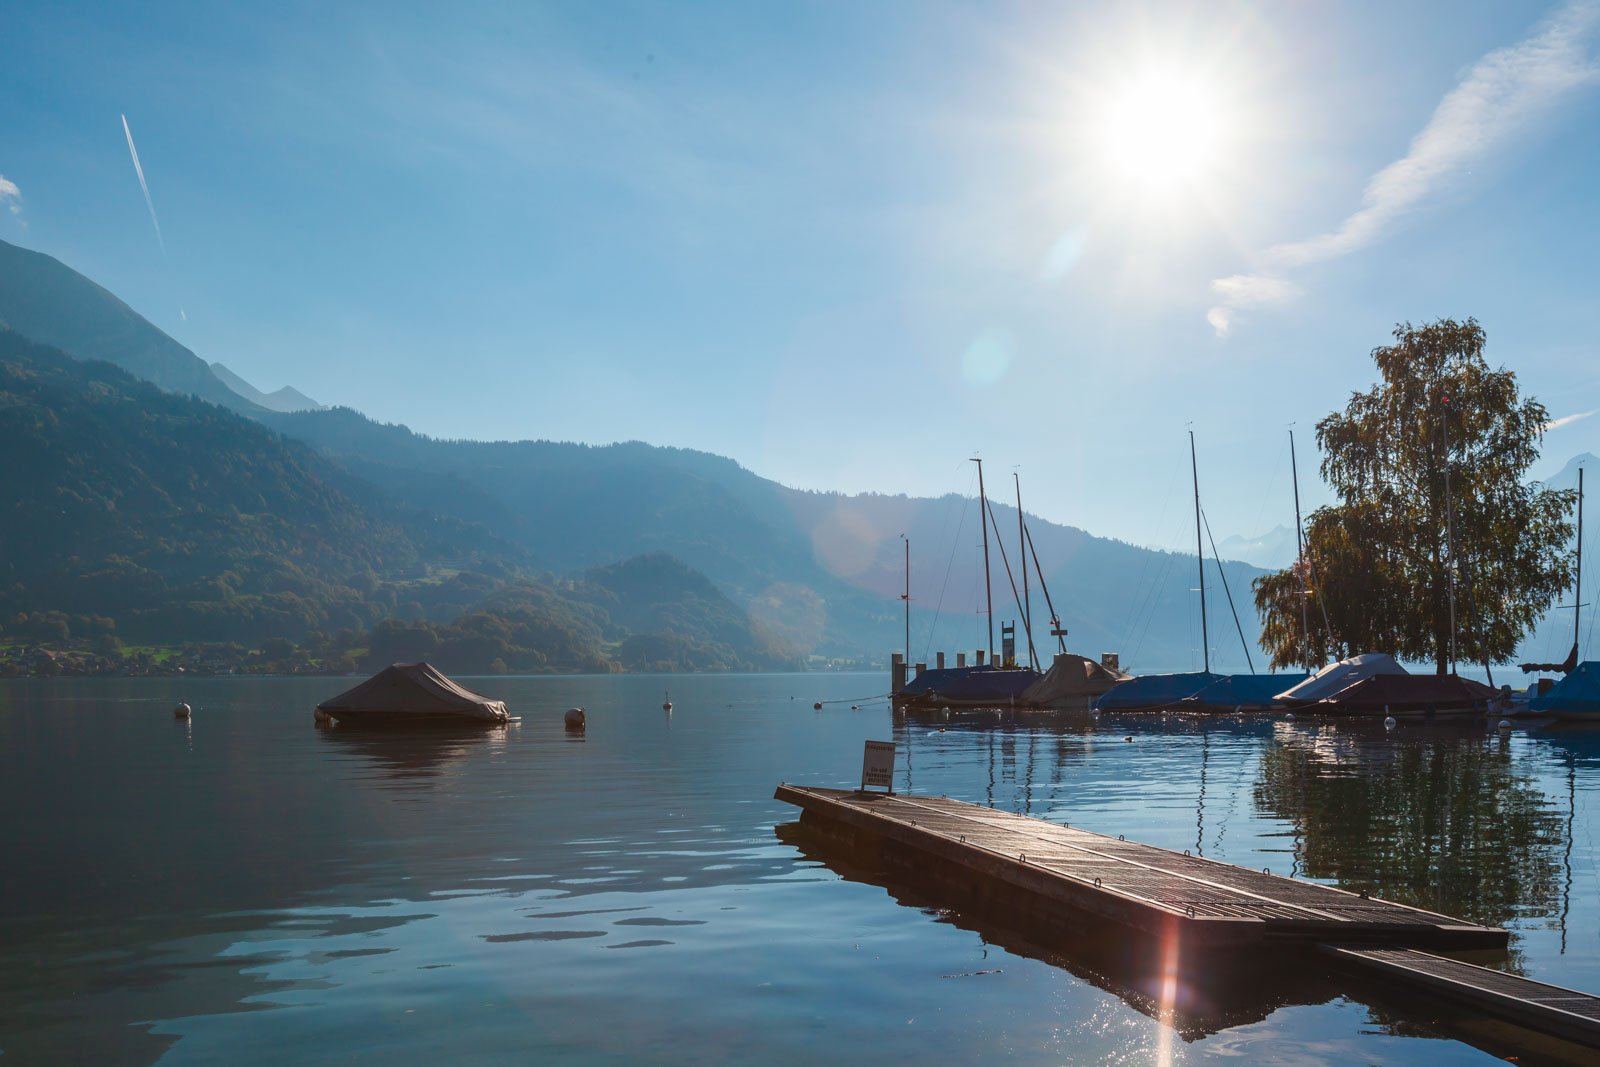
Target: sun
[[1162, 133]]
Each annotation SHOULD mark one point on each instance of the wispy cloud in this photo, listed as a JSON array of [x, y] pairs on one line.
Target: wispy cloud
[[137, 169], [1556, 424], [10, 195], [1498, 96]]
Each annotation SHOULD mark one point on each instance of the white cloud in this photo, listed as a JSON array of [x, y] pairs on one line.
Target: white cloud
[[1556, 424], [1500, 95], [10, 195]]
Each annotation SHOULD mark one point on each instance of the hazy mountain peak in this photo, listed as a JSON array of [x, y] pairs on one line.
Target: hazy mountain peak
[[1272, 550], [286, 399]]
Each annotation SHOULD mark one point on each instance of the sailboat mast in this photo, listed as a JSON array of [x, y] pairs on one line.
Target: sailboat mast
[[1300, 549], [907, 597], [1200, 557], [1577, 593], [988, 594], [1027, 609]]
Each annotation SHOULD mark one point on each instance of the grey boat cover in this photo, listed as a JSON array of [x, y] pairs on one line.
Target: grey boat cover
[[1070, 681], [406, 691], [1339, 676]]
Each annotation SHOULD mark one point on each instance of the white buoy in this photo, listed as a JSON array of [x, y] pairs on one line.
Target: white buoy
[[855, 707], [1288, 717], [1505, 724], [575, 719], [666, 701], [181, 711], [1388, 723]]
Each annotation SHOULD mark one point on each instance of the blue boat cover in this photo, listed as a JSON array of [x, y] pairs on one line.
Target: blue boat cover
[[997, 686], [939, 677], [1250, 692], [1578, 691], [1154, 691]]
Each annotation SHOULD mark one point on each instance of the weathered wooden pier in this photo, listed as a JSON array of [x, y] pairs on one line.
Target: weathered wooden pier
[[1185, 904]]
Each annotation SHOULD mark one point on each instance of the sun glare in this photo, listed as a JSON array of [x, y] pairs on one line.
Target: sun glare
[[1162, 133]]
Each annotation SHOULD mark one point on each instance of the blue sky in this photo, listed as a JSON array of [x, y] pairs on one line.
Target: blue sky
[[845, 244]]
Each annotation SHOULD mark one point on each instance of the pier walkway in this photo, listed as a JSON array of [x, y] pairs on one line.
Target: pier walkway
[[1205, 903]]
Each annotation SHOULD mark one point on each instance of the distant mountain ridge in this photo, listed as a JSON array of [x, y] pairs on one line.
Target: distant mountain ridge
[[287, 398], [817, 573], [1273, 550]]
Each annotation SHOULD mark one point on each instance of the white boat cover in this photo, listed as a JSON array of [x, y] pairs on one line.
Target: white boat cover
[[413, 691], [1070, 681], [1336, 677]]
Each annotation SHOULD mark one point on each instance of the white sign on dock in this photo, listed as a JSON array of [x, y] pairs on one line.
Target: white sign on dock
[[877, 765]]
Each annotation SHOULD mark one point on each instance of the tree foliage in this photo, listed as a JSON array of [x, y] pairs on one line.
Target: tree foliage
[[1383, 555]]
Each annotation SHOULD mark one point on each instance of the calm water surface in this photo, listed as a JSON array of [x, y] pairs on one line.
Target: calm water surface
[[248, 888]]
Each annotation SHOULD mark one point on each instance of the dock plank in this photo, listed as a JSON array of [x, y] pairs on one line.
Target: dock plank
[[1547, 1008], [1206, 902]]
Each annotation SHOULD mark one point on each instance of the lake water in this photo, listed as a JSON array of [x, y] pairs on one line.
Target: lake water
[[249, 888]]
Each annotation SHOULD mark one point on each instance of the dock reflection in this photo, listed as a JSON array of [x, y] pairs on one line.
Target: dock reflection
[[1195, 997]]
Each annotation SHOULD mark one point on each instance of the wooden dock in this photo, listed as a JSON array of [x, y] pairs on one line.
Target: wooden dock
[[1046, 873], [1204, 903]]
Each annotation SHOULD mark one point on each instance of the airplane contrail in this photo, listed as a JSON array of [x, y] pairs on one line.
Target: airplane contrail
[[137, 169]]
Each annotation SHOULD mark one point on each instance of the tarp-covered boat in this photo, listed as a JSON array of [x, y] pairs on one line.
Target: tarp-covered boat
[[412, 693], [921, 689], [1071, 682], [1241, 692], [1151, 692], [1577, 696], [1409, 695], [986, 686], [1336, 676]]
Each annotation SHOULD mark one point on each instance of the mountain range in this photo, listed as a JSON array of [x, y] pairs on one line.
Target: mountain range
[[804, 573]]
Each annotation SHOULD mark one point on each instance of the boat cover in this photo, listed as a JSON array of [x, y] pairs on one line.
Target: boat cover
[[1407, 692], [1152, 691], [937, 678], [1336, 676], [1242, 692], [1578, 692], [413, 691], [1071, 679], [993, 686]]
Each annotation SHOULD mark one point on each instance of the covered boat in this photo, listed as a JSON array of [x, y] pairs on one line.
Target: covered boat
[[986, 687], [1337, 676], [924, 688], [1152, 692], [1241, 692], [1409, 695], [1577, 696], [1072, 681], [407, 693]]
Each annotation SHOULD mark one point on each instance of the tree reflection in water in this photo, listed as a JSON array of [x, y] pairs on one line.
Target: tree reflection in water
[[1442, 818]]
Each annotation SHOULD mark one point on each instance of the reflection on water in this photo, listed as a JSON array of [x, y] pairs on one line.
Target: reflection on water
[[1454, 824], [249, 888]]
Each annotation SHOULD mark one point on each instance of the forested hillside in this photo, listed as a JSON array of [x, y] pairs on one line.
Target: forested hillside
[[156, 518]]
